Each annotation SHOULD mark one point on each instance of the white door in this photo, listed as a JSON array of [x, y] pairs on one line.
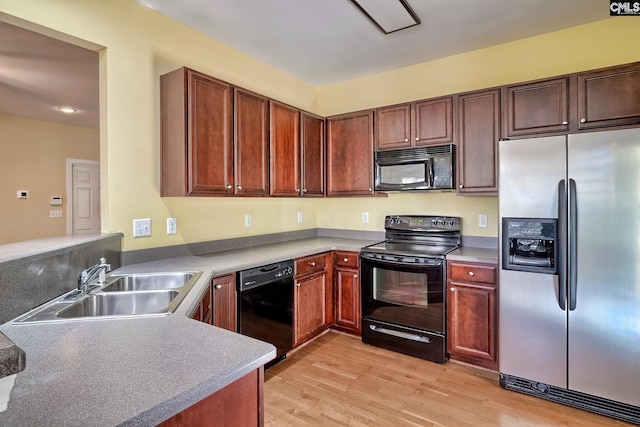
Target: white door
[[85, 198]]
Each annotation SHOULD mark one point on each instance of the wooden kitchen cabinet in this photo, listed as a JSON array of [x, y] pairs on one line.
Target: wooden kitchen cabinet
[[347, 292], [535, 108], [240, 403], [477, 144], [350, 154], [251, 143], [472, 313], [284, 148], [312, 154], [313, 297], [609, 97], [203, 311], [423, 123], [224, 302], [196, 135]]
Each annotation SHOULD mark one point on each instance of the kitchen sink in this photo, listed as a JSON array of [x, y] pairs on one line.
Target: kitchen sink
[[118, 304], [146, 282], [122, 295]]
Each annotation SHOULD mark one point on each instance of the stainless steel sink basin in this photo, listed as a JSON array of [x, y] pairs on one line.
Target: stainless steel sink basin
[[146, 282], [122, 295], [118, 304]]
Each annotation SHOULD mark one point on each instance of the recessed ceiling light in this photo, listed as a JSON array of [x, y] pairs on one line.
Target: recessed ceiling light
[[388, 15], [68, 110]]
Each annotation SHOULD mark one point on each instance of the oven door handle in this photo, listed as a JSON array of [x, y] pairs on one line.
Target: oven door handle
[[386, 260], [400, 334]]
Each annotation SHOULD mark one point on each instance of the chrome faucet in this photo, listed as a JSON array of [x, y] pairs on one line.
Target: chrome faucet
[[95, 274]]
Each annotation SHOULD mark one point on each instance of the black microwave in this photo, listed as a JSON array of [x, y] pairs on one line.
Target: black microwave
[[415, 169]]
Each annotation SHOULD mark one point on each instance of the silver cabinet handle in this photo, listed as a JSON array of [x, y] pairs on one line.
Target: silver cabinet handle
[[228, 186], [304, 190], [312, 263], [452, 289], [355, 276], [565, 122], [239, 187], [218, 286], [583, 120], [297, 285], [471, 273], [297, 190], [346, 259]]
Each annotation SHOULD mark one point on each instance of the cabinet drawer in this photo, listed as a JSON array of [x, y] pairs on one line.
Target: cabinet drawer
[[310, 264], [346, 259], [479, 273]]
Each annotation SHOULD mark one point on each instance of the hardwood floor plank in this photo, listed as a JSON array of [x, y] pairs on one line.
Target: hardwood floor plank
[[336, 380]]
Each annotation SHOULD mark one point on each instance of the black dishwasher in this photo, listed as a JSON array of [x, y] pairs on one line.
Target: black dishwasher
[[265, 310]]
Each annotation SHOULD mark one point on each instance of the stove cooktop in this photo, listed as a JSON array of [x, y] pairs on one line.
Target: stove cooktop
[[410, 249]]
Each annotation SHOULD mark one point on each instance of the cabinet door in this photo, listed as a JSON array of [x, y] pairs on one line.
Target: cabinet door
[[312, 143], [203, 312], [433, 122], [224, 302], [479, 131], [251, 138], [309, 303], [284, 147], [347, 299], [609, 97], [197, 145], [535, 108], [471, 322], [350, 154], [393, 127]]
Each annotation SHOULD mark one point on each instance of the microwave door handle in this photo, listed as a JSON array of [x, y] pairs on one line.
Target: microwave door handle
[[430, 180]]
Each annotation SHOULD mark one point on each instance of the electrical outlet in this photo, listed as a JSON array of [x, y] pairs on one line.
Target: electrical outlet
[[172, 226], [56, 213], [482, 220], [247, 220], [142, 227], [365, 217], [299, 216]]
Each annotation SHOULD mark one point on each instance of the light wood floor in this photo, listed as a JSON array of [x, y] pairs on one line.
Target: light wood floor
[[336, 380]]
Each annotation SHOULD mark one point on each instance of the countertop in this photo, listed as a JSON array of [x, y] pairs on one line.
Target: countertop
[[474, 254], [141, 371]]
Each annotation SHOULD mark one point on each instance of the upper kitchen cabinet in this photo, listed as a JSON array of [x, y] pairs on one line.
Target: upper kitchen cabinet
[[196, 134], [350, 154], [535, 108], [312, 147], [609, 97], [285, 150], [418, 124], [251, 143], [477, 145]]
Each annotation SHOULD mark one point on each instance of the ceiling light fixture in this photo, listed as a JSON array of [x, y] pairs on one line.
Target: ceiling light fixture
[[388, 15], [68, 110]]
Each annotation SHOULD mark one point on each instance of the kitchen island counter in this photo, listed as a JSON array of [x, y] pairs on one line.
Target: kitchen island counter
[[142, 371]]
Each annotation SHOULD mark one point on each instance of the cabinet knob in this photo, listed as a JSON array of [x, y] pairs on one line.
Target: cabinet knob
[[471, 273], [228, 186], [239, 187], [369, 188], [346, 259], [460, 186], [417, 139], [218, 286], [297, 285], [304, 190], [312, 263], [565, 122], [583, 120], [297, 190], [406, 140], [452, 289], [355, 276]]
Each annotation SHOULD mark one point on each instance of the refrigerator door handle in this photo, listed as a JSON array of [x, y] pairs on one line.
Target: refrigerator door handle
[[562, 245], [573, 245]]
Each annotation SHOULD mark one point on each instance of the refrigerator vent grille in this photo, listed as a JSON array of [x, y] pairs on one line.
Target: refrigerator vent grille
[[576, 399]]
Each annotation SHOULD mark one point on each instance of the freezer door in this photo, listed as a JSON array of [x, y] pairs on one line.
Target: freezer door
[[532, 331], [604, 326]]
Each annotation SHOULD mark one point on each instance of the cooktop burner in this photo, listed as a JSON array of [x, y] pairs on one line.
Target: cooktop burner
[[418, 236]]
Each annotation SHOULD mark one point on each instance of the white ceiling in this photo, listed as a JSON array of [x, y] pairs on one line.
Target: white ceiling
[[328, 41], [319, 41]]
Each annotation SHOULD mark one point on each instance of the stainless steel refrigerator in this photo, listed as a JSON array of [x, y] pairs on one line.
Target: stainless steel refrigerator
[[569, 289]]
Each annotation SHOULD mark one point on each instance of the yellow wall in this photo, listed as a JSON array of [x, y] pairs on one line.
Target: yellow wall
[[142, 44], [33, 157]]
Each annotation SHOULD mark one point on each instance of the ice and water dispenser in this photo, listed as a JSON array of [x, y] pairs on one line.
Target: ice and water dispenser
[[530, 244]]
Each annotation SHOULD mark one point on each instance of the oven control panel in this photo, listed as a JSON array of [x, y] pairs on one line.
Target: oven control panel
[[422, 223]]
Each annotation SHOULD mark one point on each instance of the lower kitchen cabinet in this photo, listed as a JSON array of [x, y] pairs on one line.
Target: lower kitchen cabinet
[[472, 313], [224, 302], [347, 289], [312, 299], [241, 403]]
